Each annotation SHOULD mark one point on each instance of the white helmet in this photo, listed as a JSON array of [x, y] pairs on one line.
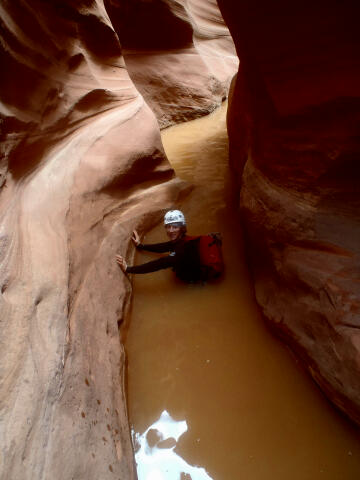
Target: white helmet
[[174, 216]]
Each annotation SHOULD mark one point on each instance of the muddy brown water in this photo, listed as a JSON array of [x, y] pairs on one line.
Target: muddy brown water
[[211, 393]]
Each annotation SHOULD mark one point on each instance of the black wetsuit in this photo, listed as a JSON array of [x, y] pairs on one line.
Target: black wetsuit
[[183, 259]]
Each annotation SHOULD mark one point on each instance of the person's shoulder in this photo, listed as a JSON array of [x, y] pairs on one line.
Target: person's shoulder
[[190, 238]]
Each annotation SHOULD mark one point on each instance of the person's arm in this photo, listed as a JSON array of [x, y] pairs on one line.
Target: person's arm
[[153, 266], [156, 247]]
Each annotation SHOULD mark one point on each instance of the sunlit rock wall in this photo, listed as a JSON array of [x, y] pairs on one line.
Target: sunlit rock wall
[[82, 164], [179, 54], [294, 124]]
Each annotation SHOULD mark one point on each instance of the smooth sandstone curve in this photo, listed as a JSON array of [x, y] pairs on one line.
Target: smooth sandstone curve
[[82, 166], [294, 146]]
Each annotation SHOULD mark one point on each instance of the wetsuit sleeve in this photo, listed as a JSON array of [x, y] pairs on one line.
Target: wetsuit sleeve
[[154, 266], [156, 247]]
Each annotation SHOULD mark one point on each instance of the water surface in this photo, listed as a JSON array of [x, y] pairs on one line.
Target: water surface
[[200, 357]]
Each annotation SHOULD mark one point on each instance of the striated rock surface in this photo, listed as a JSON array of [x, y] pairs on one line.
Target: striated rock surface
[[179, 54], [82, 165], [294, 125]]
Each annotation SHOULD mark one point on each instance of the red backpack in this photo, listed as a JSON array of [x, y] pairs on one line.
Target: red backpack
[[210, 253]]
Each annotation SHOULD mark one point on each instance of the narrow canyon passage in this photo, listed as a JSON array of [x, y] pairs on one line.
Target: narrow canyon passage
[[211, 393]]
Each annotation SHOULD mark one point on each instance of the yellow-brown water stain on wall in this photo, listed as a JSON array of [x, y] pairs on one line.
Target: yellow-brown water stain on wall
[[202, 355]]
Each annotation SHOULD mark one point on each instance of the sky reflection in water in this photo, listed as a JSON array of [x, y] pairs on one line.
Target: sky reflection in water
[[155, 456]]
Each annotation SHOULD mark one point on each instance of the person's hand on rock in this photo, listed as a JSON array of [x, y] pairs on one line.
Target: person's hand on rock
[[121, 262], [135, 238]]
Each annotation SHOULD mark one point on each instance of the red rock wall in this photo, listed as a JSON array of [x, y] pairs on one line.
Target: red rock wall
[[82, 165], [294, 143], [179, 54]]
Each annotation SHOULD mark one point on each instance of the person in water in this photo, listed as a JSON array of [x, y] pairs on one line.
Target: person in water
[[183, 251]]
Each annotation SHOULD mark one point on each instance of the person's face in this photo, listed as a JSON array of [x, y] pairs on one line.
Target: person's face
[[173, 231]]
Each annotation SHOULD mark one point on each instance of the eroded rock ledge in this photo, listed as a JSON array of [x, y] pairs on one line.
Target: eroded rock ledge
[[179, 54], [294, 125]]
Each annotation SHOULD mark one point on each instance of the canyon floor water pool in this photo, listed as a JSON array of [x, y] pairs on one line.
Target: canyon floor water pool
[[211, 393]]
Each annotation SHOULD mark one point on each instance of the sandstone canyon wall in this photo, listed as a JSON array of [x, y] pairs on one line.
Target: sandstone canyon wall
[[179, 54], [294, 143], [82, 165]]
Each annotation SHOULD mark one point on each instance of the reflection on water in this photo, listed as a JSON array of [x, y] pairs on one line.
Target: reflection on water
[[155, 456], [204, 355]]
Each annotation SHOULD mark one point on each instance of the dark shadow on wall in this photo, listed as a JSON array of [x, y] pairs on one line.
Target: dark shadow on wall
[[148, 25]]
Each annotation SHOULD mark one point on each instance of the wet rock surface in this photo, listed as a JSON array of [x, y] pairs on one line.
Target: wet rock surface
[[82, 166], [294, 143]]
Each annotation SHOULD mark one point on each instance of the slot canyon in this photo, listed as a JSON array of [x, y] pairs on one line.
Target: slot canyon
[[114, 111]]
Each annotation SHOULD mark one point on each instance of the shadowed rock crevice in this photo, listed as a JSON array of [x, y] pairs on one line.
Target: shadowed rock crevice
[[154, 25]]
